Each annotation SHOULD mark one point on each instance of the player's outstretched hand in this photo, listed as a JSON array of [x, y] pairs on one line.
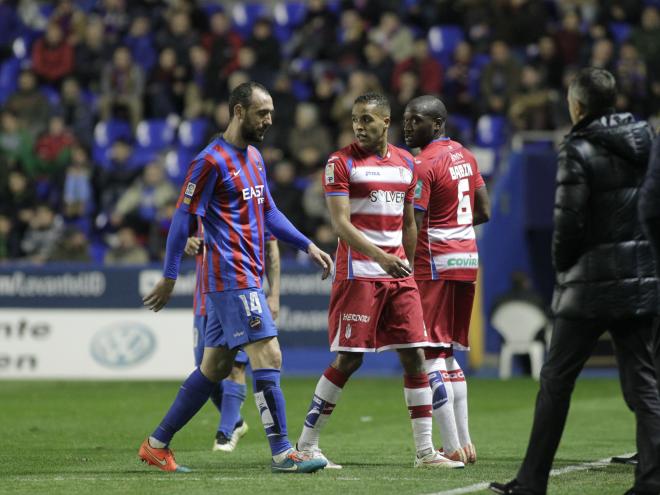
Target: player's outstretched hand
[[193, 246], [394, 266], [159, 296], [321, 258]]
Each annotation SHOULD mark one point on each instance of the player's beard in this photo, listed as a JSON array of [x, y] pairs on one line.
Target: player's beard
[[252, 135]]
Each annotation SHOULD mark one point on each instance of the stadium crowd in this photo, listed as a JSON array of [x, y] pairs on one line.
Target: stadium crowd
[[104, 103]]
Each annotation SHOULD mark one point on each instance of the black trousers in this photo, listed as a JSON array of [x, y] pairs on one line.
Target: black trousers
[[572, 343]]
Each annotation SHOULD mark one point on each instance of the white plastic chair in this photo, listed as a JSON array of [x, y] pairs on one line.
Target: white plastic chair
[[519, 322]]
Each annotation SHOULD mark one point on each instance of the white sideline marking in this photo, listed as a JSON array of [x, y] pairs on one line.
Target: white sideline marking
[[555, 472]]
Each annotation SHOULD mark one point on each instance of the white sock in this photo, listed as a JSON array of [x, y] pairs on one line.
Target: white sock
[[156, 444], [326, 395], [281, 456], [418, 399], [443, 404], [459, 386]]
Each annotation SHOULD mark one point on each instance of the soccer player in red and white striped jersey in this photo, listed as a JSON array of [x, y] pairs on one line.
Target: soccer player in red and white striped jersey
[[374, 304], [450, 198]]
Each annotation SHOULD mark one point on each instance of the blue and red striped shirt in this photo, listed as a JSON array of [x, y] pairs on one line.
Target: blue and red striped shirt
[[226, 187]]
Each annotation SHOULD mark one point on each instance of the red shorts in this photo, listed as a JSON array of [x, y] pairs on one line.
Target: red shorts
[[375, 316], [447, 308]]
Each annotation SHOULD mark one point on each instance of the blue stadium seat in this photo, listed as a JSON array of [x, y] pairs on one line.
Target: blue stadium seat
[[289, 14], [154, 134], [176, 164], [463, 126], [245, 15], [443, 40], [192, 133], [51, 93], [109, 131], [620, 31], [491, 131], [9, 71]]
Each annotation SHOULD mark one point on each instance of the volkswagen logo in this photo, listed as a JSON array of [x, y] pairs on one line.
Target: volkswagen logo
[[123, 344]]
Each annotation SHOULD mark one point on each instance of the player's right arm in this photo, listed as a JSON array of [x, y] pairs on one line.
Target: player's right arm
[[481, 206], [340, 215], [193, 200]]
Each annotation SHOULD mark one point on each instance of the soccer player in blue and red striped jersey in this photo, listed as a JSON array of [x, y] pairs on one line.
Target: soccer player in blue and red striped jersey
[[226, 186], [229, 396]]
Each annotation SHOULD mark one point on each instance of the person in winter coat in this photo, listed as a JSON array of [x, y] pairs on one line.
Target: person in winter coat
[[605, 279]]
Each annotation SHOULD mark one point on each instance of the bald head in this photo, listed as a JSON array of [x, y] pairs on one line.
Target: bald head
[[430, 106], [424, 120]]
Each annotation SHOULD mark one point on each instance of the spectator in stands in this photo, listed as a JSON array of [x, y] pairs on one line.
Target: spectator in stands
[[247, 63], [166, 87], [518, 22], [352, 37], [569, 38], [631, 76], [427, 68], [220, 120], [78, 114], [29, 104], [122, 87], [53, 148], [111, 182], [44, 231], [71, 19], [395, 37], [178, 36], [500, 79], [265, 45], [646, 37], [602, 55], [325, 91], [548, 62], [139, 205], [115, 19], [379, 63], [532, 107], [285, 192], [78, 193], [313, 201], [9, 239], [316, 37], [127, 250], [308, 131], [140, 42], [359, 82], [52, 56], [16, 144], [222, 44], [18, 200], [91, 55], [196, 102], [73, 246], [461, 81]]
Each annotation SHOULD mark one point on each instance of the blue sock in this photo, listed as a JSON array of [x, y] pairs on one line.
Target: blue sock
[[216, 396], [233, 396], [270, 403], [193, 394]]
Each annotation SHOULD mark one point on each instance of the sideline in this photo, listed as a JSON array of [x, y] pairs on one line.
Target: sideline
[[555, 472]]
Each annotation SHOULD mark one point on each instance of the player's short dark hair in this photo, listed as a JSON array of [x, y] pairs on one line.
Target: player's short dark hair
[[374, 98], [595, 89], [242, 95]]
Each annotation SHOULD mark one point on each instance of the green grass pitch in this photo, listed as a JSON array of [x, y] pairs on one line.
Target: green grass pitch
[[82, 438]]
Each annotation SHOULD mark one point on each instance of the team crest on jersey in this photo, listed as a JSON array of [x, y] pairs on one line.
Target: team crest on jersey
[[255, 322], [330, 173], [418, 189]]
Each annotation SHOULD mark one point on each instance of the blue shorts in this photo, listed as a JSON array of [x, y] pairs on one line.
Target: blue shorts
[[199, 339], [237, 317]]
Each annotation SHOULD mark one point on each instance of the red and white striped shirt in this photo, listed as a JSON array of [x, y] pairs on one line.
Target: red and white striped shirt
[[377, 188], [447, 178]]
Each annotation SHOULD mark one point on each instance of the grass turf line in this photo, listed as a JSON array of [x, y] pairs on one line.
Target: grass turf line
[[82, 437]]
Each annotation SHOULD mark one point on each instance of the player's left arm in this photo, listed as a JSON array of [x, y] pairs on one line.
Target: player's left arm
[[273, 276], [481, 206], [283, 229], [409, 232]]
